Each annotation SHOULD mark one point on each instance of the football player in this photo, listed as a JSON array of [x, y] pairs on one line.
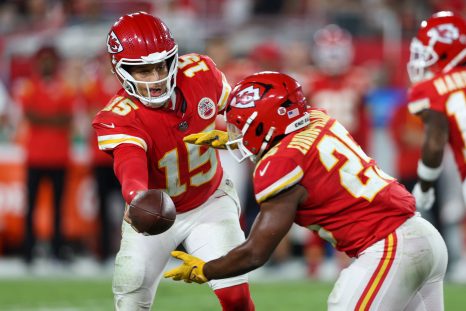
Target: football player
[[337, 85], [309, 170], [164, 98], [437, 70]]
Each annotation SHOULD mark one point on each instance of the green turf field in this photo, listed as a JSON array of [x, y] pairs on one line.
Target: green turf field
[[93, 295]]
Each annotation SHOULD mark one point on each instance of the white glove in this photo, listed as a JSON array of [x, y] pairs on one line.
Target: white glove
[[424, 200]]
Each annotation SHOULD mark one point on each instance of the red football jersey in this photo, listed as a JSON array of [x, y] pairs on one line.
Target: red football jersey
[[187, 172], [47, 145], [343, 97], [351, 202], [447, 94]]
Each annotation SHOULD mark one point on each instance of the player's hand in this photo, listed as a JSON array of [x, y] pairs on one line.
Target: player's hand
[[215, 139], [424, 200], [189, 271]]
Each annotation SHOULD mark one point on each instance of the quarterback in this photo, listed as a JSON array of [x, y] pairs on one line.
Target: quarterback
[[164, 98], [310, 171]]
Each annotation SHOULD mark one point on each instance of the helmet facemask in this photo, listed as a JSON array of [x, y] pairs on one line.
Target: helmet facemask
[[130, 84], [421, 58], [235, 144], [439, 46]]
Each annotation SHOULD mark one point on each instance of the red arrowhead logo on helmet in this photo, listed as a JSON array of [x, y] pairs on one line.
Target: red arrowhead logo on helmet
[[113, 44]]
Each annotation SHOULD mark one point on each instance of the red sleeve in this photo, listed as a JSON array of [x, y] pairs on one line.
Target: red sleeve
[[275, 174], [130, 166]]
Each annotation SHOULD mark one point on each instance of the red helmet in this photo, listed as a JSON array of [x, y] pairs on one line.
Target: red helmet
[[333, 50], [261, 108], [439, 46], [140, 39]]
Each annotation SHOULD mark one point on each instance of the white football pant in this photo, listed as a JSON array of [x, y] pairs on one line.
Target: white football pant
[[404, 271], [207, 232]]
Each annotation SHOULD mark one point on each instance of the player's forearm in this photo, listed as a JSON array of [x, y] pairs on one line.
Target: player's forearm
[[431, 158], [239, 261], [130, 166], [432, 151], [436, 138]]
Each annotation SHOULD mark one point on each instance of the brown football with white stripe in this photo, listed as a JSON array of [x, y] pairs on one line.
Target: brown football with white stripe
[[152, 212]]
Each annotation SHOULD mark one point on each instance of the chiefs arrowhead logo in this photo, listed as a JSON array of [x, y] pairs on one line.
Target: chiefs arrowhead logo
[[445, 33], [246, 98], [113, 44]]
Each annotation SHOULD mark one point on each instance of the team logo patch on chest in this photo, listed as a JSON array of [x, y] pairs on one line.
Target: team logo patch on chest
[[206, 108]]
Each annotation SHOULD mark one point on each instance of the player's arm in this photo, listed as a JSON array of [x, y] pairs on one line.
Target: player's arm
[[271, 225], [130, 166], [429, 166], [436, 137]]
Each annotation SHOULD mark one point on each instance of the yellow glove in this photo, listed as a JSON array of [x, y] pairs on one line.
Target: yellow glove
[[189, 271], [215, 139]]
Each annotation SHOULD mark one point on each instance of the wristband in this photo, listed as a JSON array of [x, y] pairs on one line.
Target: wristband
[[428, 173]]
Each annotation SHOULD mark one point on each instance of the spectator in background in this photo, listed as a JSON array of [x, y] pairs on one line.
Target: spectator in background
[[47, 105], [8, 115], [267, 56], [234, 67], [97, 91]]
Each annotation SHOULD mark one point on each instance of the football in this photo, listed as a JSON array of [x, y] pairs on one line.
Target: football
[[152, 212]]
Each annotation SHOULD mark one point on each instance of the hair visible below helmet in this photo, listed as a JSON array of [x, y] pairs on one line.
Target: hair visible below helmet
[[439, 46], [264, 107], [141, 39], [333, 50]]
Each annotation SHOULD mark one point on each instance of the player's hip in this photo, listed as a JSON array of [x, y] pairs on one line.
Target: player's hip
[[417, 244]]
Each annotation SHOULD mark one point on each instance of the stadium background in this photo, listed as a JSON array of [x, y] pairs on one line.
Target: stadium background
[[241, 36]]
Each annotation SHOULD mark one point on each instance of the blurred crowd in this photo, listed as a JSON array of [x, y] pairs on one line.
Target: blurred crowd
[[58, 192]]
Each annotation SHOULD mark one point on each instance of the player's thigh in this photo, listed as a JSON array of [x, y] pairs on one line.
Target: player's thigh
[[373, 277], [216, 232], [349, 286], [428, 298], [388, 274], [141, 259]]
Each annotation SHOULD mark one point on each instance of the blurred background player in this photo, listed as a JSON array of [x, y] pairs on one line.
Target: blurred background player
[[47, 103], [309, 170], [164, 98], [337, 85], [437, 70], [340, 88]]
